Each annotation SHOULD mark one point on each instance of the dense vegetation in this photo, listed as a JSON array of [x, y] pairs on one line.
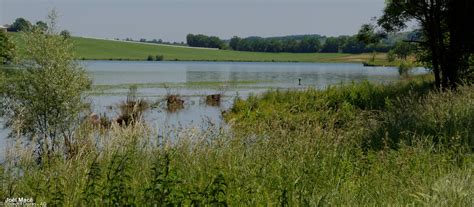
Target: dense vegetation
[[7, 48], [308, 44], [258, 44], [23, 25], [361, 144], [445, 44], [299, 43], [201, 40]]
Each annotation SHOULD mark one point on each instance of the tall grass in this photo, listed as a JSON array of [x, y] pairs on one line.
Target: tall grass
[[362, 144]]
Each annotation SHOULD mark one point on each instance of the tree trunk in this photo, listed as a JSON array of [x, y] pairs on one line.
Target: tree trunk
[[439, 38], [435, 64], [461, 32], [432, 39]]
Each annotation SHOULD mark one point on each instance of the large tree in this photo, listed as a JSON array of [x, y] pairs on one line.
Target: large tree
[[20, 25], [447, 33]]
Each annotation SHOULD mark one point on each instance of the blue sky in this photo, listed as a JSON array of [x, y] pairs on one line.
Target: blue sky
[[171, 20]]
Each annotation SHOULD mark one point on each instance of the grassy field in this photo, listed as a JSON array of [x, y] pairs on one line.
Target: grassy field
[[97, 49], [362, 144]]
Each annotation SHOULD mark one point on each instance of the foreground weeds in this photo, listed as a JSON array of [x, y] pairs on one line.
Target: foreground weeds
[[361, 144]]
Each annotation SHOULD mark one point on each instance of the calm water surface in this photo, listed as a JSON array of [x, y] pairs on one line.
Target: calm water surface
[[194, 80]]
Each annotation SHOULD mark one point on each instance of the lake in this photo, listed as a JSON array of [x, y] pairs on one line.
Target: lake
[[194, 80]]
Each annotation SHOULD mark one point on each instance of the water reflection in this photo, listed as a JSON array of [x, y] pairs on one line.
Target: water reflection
[[195, 80], [281, 74]]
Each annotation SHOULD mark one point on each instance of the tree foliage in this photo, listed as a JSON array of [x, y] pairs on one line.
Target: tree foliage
[[45, 100], [332, 45], [391, 56], [257, 44], [42, 26], [20, 25], [402, 50], [352, 45], [65, 34], [200, 40], [370, 35], [7, 49], [446, 28], [305, 44]]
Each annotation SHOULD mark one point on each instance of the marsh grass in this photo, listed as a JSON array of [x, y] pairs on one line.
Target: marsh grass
[[294, 148], [132, 109]]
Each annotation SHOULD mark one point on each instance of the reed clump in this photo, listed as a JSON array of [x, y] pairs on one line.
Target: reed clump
[[213, 99], [132, 109], [174, 102]]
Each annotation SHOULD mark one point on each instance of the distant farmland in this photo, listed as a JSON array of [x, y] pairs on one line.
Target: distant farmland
[[99, 49]]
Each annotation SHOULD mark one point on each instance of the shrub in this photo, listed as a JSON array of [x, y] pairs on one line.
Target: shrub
[[45, 100], [7, 49], [404, 68], [149, 58], [65, 34], [159, 57], [391, 56]]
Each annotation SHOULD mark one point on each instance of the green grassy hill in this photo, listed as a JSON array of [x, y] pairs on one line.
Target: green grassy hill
[[99, 49]]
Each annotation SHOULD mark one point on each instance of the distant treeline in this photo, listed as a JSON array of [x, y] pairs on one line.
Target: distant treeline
[[200, 40], [292, 44], [154, 41], [258, 44], [23, 25], [308, 44]]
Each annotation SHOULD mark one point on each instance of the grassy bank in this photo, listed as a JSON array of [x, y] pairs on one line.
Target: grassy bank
[[361, 144], [97, 49]]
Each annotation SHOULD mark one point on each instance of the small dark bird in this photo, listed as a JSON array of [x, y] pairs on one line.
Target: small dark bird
[[299, 81]]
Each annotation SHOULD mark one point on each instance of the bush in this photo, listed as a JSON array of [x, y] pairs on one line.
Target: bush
[[404, 68], [65, 34], [7, 49], [20, 25], [45, 100], [159, 57], [149, 58], [391, 56]]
